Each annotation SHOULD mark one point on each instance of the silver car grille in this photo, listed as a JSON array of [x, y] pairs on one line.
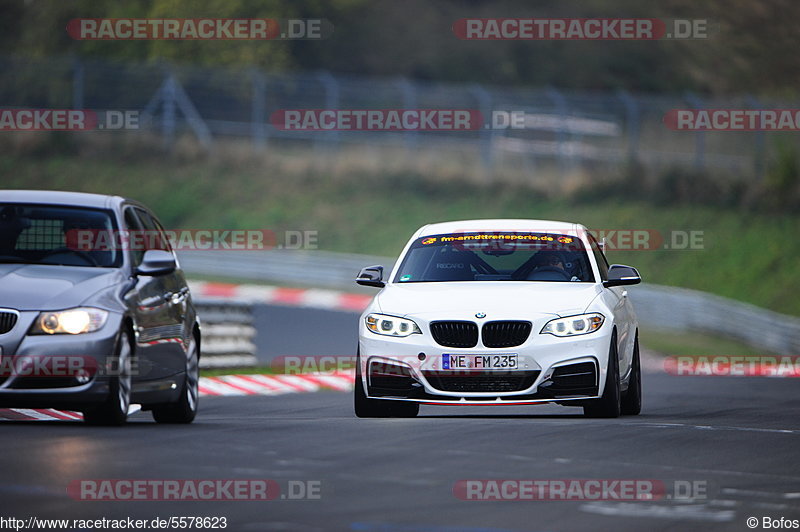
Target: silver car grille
[[8, 319]]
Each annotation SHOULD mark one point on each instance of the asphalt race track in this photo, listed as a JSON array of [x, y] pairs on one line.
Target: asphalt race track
[[736, 439]]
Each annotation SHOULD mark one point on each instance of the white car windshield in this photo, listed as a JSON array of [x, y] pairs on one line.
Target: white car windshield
[[503, 256]]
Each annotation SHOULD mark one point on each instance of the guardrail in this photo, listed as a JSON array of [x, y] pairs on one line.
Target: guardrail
[[661, 307], [313, 268], [680, 309], [228, 333]]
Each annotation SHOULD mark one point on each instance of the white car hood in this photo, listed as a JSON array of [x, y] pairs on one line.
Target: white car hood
[[494, 298]]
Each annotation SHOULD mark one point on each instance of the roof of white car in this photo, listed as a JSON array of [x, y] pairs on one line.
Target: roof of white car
[[471, 226]]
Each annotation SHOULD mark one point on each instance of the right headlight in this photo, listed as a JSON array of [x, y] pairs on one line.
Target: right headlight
[[391, 325], [72, 321], [574, 325]]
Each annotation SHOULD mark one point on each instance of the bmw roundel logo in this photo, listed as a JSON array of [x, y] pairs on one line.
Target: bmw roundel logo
[[480, 315]]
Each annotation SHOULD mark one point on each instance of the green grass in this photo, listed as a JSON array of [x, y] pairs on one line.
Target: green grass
[[748, 256]]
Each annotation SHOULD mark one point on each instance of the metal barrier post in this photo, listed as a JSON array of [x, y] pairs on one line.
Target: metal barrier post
[[486, 134], [258, 127], [699, 139]]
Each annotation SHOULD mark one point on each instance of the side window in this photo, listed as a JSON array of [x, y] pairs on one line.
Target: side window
[[164, 236], [602, 263], [133, 227], [156, 238]]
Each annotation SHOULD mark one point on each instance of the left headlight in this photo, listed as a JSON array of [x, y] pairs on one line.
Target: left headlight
[[72, 321], [574, 325], [391, 325]]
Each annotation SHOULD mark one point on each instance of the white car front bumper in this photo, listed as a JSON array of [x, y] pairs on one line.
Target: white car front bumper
[[550, 368]]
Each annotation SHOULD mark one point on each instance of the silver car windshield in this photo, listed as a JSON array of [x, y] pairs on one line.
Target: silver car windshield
[[57, 235], [496, 257]]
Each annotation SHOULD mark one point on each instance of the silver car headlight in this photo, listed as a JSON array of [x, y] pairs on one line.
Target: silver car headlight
[[391, 325], [71, 321], [574, 325]]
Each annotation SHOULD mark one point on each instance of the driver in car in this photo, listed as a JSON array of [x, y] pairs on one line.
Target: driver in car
[[551, 259]]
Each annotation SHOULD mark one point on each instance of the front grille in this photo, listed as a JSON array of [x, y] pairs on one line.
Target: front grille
[[7, 321], [505, 333], [481, 381], [455, 333]]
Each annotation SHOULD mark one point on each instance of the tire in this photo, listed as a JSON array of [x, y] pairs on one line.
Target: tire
[[371, 408], [185, 409], [114, 410], [632, 399], [608, 405]]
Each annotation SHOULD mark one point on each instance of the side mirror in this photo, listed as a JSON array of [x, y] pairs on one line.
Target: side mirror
[[157, 262], [620, 275], [371, 276]]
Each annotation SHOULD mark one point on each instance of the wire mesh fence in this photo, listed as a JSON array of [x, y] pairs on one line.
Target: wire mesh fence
[[562, 128]]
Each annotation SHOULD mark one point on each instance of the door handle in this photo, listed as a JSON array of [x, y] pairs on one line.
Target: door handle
[[175, 298], [182, 294], [624, 293]]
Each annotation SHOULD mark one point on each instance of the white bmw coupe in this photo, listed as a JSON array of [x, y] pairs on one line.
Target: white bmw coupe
[[499, 312]]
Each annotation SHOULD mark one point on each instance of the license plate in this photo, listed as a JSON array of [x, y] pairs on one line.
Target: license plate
[[479, 361]]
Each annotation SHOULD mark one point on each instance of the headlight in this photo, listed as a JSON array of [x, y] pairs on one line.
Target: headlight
[[391, 325], [72, 321], [574, 325]]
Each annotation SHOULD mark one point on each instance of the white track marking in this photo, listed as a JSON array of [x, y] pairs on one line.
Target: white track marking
[[699, 512]]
